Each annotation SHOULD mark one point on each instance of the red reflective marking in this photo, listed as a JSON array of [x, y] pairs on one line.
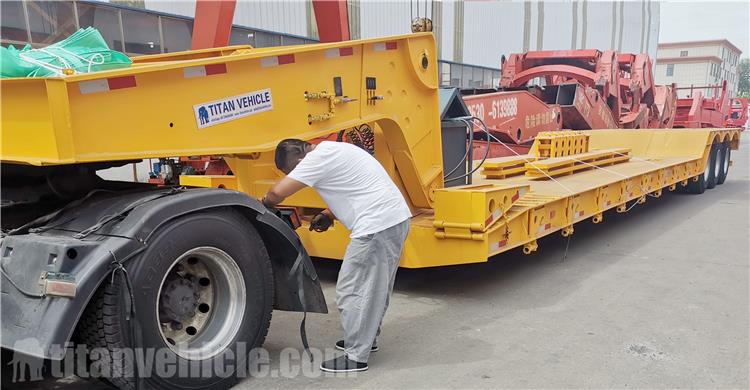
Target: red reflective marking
[[502, 243], [552, 214], [393, 45], [216, 69], [515, 197], [286, 59], [488, 220], [346, 51], [121, 82], [547, 226]]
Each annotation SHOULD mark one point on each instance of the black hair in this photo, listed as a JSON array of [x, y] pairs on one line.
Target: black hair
[[288, 150]]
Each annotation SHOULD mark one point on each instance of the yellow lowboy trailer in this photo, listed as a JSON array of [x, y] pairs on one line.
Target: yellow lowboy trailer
[[194, 253]]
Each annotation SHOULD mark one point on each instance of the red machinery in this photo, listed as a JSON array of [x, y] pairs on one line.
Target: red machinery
[[644, 105], [737, 113], [697, 111], [583, 89]]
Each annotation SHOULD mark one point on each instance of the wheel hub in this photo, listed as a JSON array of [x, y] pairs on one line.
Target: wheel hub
[[201, 303], [179, 298]]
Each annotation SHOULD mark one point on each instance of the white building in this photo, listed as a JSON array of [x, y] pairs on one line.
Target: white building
[[698, 63], [475, 32]]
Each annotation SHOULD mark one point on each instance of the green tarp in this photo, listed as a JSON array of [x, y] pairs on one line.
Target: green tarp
[[85, 51]]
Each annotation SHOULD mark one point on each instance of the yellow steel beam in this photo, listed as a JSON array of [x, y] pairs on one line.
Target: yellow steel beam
[[153, 110]]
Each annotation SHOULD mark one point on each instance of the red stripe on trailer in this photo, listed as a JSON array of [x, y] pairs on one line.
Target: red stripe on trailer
[[121, 82], [286, 59], [216, 69], [515, 197], [502, 243], [488, 220], [547, 226]]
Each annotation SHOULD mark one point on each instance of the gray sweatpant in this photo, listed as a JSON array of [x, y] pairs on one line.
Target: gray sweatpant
[[364, 286]]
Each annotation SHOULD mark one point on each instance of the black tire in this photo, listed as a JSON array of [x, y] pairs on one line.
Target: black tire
[[725, 154], [707, 176], [713, 165], [105, 323]]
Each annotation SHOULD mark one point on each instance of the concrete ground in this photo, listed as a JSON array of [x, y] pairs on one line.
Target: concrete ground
[[654, 298]]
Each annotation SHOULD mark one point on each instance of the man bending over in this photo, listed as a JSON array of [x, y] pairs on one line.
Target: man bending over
[[361, 195]]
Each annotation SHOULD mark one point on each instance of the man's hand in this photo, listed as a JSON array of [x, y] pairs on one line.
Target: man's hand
[[321, 222]]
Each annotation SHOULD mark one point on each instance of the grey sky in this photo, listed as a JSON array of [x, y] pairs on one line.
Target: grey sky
[[702, 20]]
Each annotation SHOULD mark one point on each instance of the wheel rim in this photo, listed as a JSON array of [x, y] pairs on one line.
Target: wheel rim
[[201, 303]]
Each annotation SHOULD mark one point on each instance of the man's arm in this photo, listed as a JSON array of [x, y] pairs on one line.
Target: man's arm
[[281, 190]]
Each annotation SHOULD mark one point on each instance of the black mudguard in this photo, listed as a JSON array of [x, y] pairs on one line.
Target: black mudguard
[[83, 242]]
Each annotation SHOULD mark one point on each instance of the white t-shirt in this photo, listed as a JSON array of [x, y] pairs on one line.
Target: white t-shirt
[[355, 187]]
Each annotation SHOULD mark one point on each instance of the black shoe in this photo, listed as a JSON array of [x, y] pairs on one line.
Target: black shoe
[[342, 364], [340, 346]]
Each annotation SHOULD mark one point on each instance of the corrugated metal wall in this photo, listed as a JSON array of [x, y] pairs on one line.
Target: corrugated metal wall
[[288, 16], [490, 29], [380, 18], [472, 31], [493, 28]]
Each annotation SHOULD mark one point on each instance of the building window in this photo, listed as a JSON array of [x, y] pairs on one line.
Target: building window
[[445, 74], [240, 36], [670, 70], [487, 79], [50, 21], [683, 53], [456, 73], [141, 32], [466, 76], [177, 34], [13, 28], [263, 39], [289, 41], [106, 20]]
